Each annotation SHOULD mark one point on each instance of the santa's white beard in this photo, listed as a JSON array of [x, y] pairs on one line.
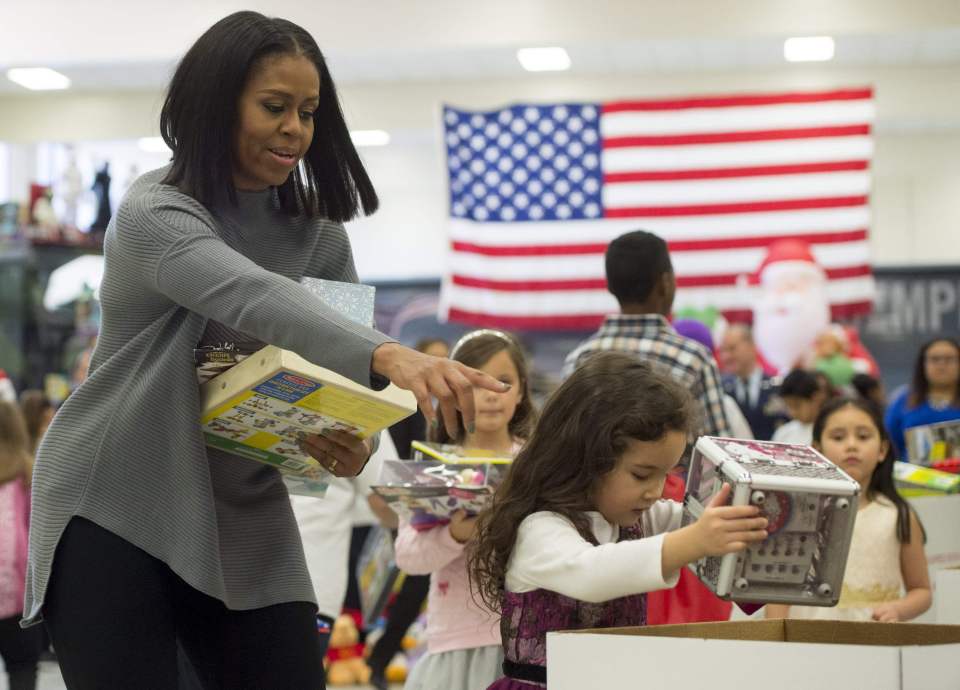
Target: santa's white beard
[[785, 324]]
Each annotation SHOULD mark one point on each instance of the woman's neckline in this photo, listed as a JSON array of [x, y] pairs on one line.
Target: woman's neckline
[[939, 401]]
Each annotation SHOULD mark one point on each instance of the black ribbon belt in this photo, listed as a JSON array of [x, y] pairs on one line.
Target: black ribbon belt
[[533, 673]]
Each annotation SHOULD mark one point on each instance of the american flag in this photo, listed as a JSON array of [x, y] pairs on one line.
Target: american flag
[[538, 191]]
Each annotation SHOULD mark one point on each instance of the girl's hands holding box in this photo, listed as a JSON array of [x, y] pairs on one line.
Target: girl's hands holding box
[[721, 529], [724, 529]]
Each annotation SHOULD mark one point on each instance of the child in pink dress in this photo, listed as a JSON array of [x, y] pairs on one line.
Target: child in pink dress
[[19, 648], [463, 637]]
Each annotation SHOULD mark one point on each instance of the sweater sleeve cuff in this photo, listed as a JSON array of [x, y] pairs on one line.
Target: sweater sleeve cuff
[[671, 581]]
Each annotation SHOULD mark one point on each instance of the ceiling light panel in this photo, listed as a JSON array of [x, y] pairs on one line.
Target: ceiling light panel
[[38, 78], [544, 59], [369, 137], [808, 49]]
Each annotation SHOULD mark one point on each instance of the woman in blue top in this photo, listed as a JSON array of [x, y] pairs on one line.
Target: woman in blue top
[[934, 393]]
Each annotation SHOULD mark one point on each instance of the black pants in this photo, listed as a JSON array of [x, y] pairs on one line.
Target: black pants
[[115, 615], [20, 650], [404, 611]]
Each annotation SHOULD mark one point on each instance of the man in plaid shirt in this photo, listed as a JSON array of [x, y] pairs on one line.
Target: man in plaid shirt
[[640, 276]]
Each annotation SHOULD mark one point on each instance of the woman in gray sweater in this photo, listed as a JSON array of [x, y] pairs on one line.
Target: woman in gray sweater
[[141, 536]]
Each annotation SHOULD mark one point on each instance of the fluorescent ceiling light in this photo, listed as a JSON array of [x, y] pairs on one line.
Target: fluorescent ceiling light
[[370, 137], [38, 78], [153, 145], [808, 49], [544, 59]]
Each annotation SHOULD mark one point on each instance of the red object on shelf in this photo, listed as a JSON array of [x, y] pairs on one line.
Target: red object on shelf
[[947, 465]]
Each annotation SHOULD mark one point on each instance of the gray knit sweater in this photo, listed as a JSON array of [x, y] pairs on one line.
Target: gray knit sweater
[[125, 451]]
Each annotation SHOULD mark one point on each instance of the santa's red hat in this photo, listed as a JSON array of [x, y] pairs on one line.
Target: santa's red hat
[[788, 257]]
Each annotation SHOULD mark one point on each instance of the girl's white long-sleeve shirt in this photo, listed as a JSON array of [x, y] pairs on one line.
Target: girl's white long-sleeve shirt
[[550, 554], [454, 619]]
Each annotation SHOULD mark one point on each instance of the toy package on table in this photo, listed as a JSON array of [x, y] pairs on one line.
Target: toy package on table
[[928, 444], [810, 504], [914, 480], [426, 493]]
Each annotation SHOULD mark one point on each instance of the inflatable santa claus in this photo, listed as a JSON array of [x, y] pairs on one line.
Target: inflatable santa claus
[[792, 308], [791, 318]]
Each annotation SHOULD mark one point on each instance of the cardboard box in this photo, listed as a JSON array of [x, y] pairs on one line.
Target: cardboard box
[[946, 595], [743, 655], [940, 516]]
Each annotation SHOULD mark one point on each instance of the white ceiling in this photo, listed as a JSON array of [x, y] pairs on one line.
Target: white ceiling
[[133, 45]]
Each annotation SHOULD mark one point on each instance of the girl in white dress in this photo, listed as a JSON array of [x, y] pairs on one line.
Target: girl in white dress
[[886, 578]]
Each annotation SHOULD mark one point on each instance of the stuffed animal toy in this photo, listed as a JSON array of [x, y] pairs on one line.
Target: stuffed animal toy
[[345, 665]]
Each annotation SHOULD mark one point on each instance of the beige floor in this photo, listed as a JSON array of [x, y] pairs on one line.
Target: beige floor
[[50, 679]]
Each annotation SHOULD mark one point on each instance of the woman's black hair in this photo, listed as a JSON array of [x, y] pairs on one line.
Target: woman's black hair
[[882, 480], [919, 385], [199, 119], [800, 383]]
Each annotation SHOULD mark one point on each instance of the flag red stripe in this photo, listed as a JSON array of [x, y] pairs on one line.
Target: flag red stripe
[[586, 322], [754, 242], [589, 322], [736, 137], [530, 250], [721, 173], [683, 281], [676, 246], [737, 101], [738, 207]]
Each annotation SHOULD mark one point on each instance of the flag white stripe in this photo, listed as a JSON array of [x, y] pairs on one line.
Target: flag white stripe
[[738, 119], [591, 302], [744, 189], [734, 155], [727, 226], [687, 264]]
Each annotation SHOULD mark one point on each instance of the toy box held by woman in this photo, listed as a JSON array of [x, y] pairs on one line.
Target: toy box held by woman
[[810, 504]]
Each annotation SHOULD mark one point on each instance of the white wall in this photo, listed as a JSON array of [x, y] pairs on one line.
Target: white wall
[[916, 195]]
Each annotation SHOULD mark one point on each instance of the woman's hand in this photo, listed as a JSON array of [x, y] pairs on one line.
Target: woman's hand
[[342, 454], [450, 382], [462, 528]]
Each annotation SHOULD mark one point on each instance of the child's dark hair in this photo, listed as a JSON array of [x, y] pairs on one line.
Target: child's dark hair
[[34, 404], [865, 385], [425, 344], [799, 383], [882, 480], [585, 427], [16, 459], [475, 349]]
